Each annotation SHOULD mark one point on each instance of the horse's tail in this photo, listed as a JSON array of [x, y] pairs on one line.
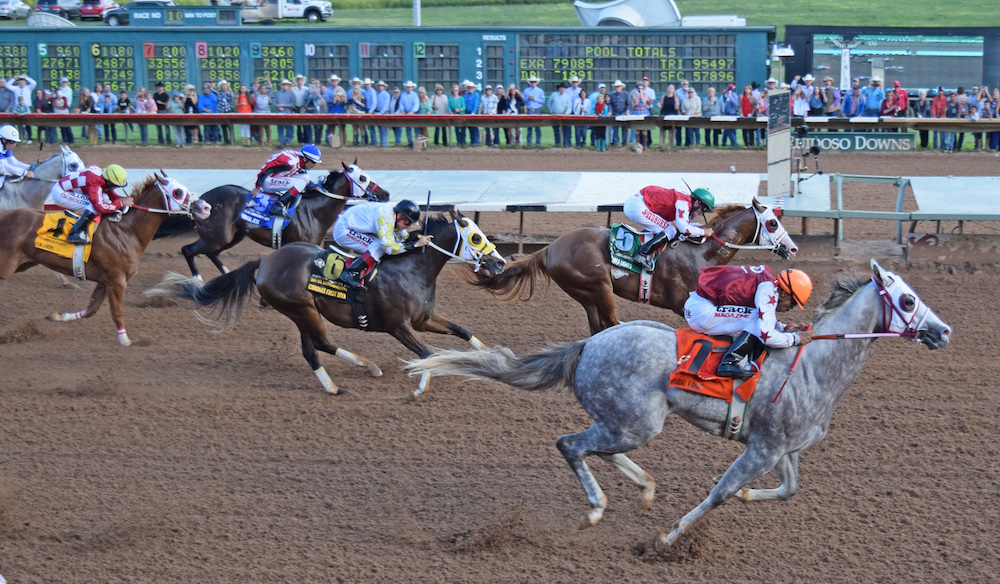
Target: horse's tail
[[518, 279], [549, 367], [225, 295]]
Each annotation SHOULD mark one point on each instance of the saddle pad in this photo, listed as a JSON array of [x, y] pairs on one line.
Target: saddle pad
[[257, 211], [698, 357], [625, 240], [323, 280], [55, 227]]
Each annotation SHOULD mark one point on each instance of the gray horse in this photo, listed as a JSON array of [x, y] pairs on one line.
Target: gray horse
[[31, 194], [620, 377]]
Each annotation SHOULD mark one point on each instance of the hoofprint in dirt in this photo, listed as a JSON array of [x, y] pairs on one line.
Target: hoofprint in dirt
[[193, 456]]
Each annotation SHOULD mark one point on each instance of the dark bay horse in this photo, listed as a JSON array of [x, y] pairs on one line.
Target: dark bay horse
[[621, 378], [117, 247], [400, 300], [312, 219], [580, 263]]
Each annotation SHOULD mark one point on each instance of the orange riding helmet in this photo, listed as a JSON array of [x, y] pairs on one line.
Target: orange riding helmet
[[798, 284]]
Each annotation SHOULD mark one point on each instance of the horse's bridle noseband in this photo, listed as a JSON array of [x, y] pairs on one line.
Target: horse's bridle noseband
[[776, 237], [910, 330]]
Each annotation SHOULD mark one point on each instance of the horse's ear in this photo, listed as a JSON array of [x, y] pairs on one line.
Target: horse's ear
[[342, 163], [162, 177], [65, 149], [454, 215], [881, 275], [756, 204], [355, 161]]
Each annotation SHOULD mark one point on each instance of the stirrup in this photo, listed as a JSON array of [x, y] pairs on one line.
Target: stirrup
[[78, 237], [645, 261], [734, 370]]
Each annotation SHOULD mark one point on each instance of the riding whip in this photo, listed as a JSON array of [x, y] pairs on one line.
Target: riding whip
[[427, 212]]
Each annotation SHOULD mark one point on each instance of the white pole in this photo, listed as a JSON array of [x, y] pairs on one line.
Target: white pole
[[416, 12]]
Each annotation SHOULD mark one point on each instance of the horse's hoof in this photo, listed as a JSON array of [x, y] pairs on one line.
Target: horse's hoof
[[373, 370], [54, 317], [645, 501], [71, 285], [591, 518]]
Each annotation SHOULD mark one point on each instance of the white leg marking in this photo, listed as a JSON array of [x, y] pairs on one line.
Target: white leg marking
[[324, 379], [123, 339], [476, 343]]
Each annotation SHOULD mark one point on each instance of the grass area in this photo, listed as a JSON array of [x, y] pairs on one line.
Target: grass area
[[776, 13]]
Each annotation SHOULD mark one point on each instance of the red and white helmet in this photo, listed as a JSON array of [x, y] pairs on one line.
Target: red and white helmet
[[10, 133]]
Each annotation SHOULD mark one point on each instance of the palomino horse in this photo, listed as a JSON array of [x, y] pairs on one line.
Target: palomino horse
[[116, 247], [621, 378], [580, 263], [31, 193], [400, 301], [312, 219]]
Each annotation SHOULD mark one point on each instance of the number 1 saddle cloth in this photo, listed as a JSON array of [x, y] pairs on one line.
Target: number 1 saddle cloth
[[698, 357]]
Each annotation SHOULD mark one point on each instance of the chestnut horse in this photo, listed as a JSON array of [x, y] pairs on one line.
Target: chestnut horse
[[580, 263], [313, 217], [116, 246]]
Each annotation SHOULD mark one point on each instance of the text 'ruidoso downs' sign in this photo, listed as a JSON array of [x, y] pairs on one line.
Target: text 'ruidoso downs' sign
[[858, 142]]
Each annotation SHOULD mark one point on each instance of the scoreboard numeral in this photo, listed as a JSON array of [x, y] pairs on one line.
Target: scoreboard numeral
[[148, 50]]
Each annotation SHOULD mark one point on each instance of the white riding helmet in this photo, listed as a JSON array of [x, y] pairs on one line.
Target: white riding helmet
[[10, 133]]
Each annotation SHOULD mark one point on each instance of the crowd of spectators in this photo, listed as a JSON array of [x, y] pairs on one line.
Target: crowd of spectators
[[21, 95]]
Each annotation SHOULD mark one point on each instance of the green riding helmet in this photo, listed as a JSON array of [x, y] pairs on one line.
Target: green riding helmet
[[705, 197]]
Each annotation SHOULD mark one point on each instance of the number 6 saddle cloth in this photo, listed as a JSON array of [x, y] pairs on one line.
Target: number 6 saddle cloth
[[324, 280], [698, 357]]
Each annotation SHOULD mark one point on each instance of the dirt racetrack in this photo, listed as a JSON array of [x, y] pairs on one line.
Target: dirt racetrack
[[200, 457]]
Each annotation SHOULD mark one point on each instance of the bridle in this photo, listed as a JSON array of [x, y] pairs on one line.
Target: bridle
[[775, 237], [185, 210], [367, 193], [457, 259], [890, 309]]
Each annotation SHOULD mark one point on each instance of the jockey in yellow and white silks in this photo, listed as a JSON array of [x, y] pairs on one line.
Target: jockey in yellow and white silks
[[373, 230]]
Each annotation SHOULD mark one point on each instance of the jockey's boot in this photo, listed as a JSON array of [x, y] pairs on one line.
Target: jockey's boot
[[78, 233], [280, 207], [644, 255], [355, 273], [739, 358]]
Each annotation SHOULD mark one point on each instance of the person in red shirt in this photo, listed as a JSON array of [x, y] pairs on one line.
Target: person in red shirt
[[902, 98], [89, 191], [286, 172], [743, 301], [666, 213]]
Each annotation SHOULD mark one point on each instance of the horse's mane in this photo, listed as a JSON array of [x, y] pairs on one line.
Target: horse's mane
[[724, 213], [141, 188], [436, 222], [842, 289]]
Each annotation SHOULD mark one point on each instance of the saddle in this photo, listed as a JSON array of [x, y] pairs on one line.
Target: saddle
[[324, 280], [698, 357]]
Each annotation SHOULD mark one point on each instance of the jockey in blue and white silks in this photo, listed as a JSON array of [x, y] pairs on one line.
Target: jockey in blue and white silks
[[374, 229], [9, 165]]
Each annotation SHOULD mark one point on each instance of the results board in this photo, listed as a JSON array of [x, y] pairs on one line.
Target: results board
[[219, 61], [167, 64], [13, 60], [276, 62], [595, 58], [58, 61]]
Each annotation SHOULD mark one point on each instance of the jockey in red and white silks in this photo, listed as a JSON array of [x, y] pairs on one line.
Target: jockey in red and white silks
[[370, 227], [86, 191], [657, 209], [734, 299], [282, 172]]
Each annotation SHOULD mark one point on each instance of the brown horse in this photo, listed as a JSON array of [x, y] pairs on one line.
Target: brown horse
[[116, 246], [580, 263], [400, 300]]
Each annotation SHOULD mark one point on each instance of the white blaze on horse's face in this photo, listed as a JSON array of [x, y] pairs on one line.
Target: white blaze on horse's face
[[904, 312], [476, 246], [181, 200], [360, 181], [774, 234]]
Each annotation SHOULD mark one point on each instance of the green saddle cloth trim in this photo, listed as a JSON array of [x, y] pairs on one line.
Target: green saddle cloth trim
[[623, 243]]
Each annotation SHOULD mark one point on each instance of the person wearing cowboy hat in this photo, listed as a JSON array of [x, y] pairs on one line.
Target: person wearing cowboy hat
[[336, 103], [371, 106], [574, 87], [301, 92], [618, 101], [471, 108], [534, 99], [409, 104], [874, 96], [284, 102], [488, 106], [383, 106], [831, 97]]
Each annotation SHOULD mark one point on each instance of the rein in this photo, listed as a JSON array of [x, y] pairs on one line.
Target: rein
[[456, 259]]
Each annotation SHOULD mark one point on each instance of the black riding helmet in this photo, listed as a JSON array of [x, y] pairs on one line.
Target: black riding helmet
[[408, 209]]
